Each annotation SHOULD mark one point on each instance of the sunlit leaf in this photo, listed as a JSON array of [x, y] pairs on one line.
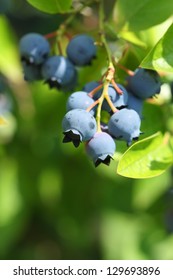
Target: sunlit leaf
[[132, 38], [150, 114], [161, 56], [138, 15], [51, 6], [147, 158]]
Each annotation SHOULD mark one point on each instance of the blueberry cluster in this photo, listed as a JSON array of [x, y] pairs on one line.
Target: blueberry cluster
[[57, 71], [82, 122]]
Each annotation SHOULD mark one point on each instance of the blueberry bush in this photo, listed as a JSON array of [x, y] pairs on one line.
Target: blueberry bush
[[120, 44], [86, 107]]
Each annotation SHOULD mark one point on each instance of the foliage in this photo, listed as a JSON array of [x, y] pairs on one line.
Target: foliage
[[160, 57], [133, 21], [145, 158], [53, 203], [53, 6]]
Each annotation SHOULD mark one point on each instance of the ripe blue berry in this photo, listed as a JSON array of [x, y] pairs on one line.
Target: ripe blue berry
[[125, 125], [81, 50], [119, 100], [79, 100], [78, 125], [101, 148], [135, 103], [92, 85], [104, 127], [145, 83], [112, 94], [34, 48], [59, 72], [72, 83]]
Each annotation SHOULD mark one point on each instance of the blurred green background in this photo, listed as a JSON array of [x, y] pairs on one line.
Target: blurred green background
[[53, 203]]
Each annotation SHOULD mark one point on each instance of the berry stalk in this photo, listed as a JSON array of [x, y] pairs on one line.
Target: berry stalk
[[92, 105], [98, 115], [119, 91], [95, 90], [109, 77], [102, 33], [105, 95]]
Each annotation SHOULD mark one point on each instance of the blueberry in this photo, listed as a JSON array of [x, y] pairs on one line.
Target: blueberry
[[81, 50], [59, 72], [112, 94], [145, 83], [34, 48], [101, 148], [92, 85], [119, 100], [78, 125], [104, 127], [135, 103], [31, 72], [79, 100], [125, 125], [70, 86]]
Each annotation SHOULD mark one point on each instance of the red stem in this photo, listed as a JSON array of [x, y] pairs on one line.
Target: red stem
[[128, 71], [92, 105], [51, 35], [91, 93], [119, 91]]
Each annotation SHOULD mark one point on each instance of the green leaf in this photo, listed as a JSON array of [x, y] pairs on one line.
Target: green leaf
[[132, 38], [150, 115], [135, 15], [161, 56], [51, 6], [147, 158]]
